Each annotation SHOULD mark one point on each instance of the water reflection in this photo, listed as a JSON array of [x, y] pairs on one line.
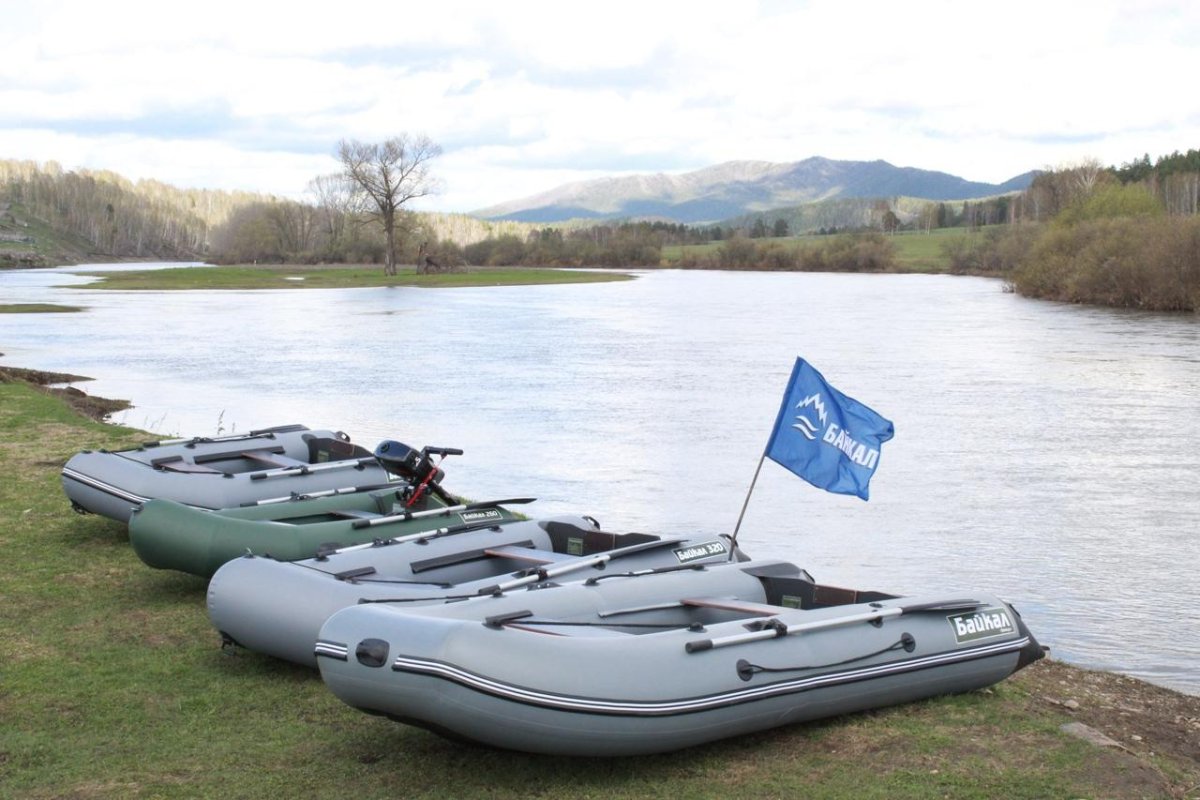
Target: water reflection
[[1044, 452]]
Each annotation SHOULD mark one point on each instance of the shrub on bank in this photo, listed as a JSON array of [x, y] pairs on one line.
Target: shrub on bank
[[1143, 262], [859, 252], [863, 252], [1000, 249], [1115, 246]]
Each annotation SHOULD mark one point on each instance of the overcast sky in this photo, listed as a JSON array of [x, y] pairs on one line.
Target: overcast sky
[[524, 96]]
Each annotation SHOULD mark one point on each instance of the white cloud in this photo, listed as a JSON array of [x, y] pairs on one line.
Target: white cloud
[[528, 95]]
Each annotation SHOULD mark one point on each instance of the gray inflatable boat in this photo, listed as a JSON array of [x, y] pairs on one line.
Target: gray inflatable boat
[[277, 607], [219, 472], [634, 663]]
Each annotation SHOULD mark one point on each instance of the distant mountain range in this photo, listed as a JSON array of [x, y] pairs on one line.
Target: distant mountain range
[[737, 188]]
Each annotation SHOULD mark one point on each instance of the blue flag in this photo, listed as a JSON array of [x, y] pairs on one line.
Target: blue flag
[[825, 437]]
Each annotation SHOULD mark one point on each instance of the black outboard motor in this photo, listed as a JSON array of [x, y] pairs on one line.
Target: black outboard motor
[[414, 466], [400, 459]]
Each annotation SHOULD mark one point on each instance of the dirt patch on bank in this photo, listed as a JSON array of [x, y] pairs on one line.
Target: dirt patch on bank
[[1157, 726], [97, 408]]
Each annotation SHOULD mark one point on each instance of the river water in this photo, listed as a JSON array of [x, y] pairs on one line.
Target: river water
[[1047, 453]]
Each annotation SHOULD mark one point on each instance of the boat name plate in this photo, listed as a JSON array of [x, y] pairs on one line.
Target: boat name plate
[[481, 515], [696, 552], [982, 624]]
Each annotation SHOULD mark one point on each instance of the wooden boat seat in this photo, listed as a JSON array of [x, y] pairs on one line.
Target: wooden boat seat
[[528, 554], [273, 459], [733, 604], [177, 464], [450, 559]]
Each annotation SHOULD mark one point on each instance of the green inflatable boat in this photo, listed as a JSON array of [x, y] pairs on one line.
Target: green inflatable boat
[[169, 535]]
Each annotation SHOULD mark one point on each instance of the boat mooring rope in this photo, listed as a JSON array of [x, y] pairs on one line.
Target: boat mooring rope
[[592, 581]]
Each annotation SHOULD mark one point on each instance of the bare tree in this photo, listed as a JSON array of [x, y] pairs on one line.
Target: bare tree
[[295, 224], [390, 174], [1086, 174], [335, 195]]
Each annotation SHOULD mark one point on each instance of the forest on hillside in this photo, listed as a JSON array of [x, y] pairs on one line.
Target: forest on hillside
[[107, 216], [111, 215]]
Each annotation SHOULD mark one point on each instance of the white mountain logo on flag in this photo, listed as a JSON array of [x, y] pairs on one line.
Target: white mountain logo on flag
[[808, 429], [832, 435]]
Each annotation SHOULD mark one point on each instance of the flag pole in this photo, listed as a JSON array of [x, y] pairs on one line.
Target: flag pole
[[745, 503]]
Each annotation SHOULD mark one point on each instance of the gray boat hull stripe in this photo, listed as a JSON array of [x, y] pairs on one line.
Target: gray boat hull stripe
[[527, 696], [332, 650], [101, 486]]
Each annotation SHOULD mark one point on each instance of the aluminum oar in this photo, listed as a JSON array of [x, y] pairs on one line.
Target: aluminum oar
[[539, 574], [408, 515], [325, 493], [775, 627], [307, 469]]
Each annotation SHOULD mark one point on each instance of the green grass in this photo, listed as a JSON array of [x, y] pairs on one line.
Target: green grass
[[112, 684], [672, 254], [301, 277], [917, 251], [36, 308]]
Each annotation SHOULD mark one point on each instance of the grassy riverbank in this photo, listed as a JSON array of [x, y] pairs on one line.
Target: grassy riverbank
[[112, 684], [36, 308], [327, 277]]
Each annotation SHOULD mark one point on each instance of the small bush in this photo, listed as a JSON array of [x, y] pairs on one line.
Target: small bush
[[861, 252], [737, 253]]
